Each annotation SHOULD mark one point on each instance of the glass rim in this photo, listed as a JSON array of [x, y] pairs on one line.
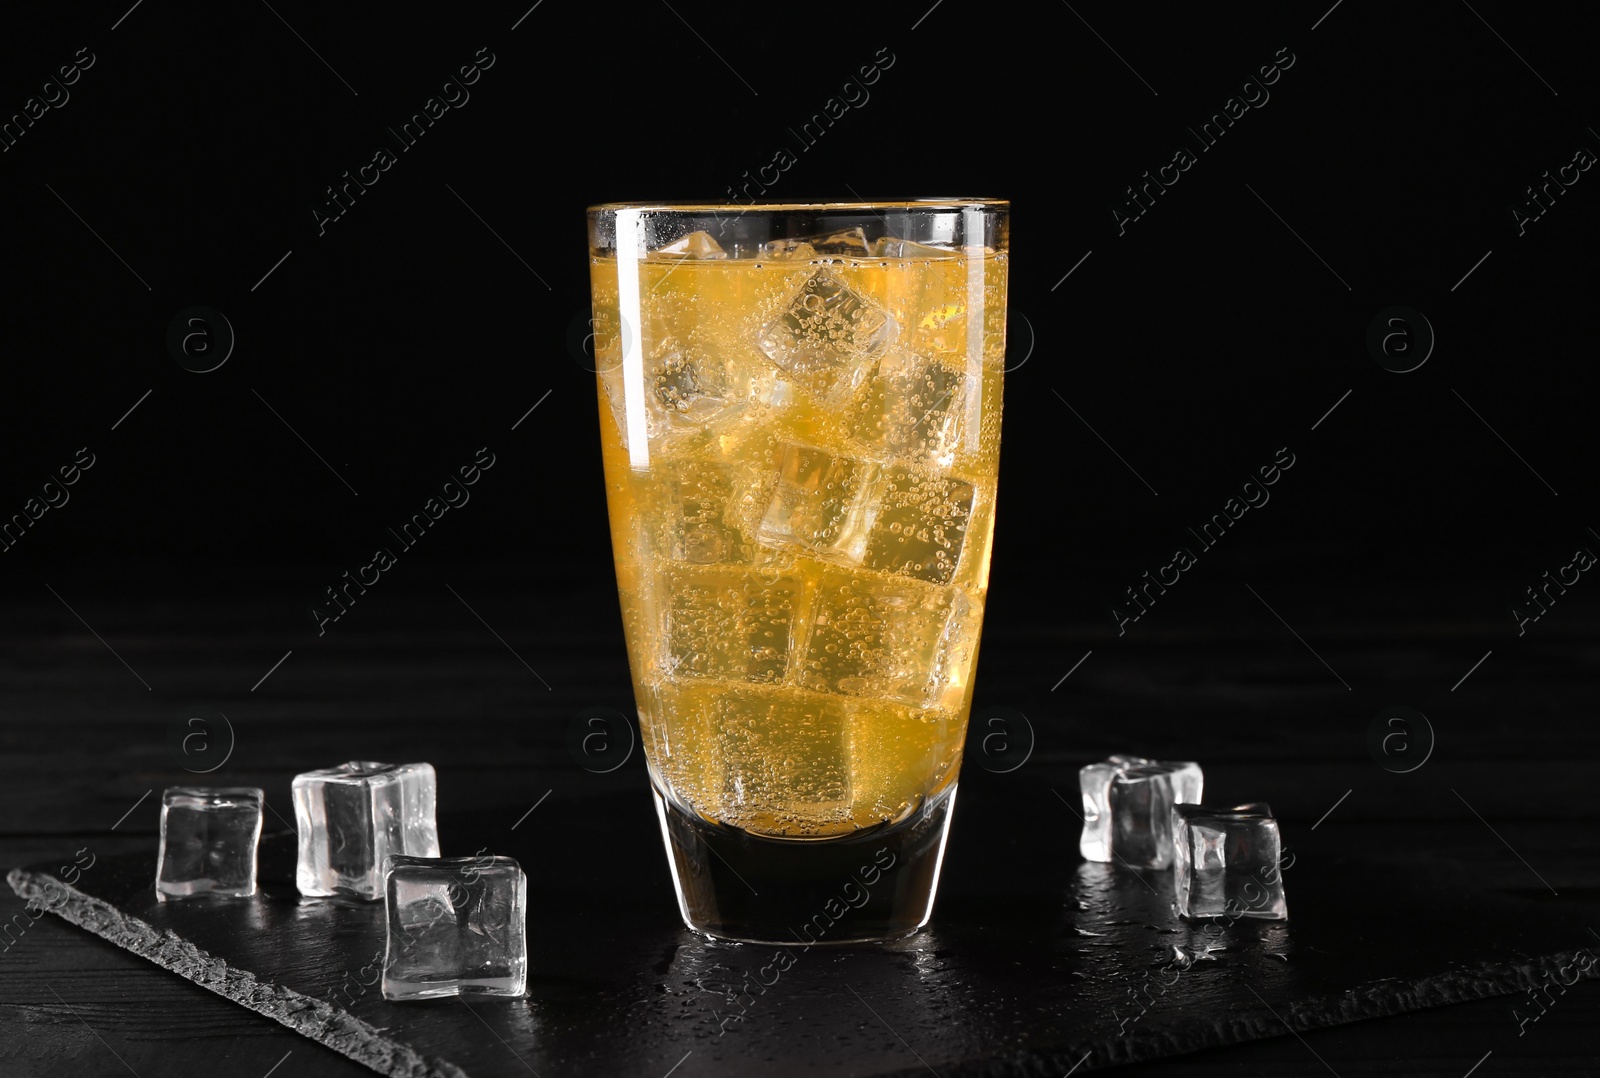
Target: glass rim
[[911, 205]]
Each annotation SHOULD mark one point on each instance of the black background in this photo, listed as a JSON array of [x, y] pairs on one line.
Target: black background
[[408, 335], [410, 332], [428, 320]]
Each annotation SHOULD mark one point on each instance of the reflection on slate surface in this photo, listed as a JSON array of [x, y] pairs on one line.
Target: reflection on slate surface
[[1035, 962]]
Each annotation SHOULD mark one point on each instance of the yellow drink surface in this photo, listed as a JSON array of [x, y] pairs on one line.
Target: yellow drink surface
[[801, 521]]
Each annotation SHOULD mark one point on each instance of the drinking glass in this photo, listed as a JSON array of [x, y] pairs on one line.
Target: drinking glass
[[800, 424]]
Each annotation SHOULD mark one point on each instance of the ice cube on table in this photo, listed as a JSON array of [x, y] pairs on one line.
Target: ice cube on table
[[919, 525], [905, 642], [350, 817], [456, 926], [826, 326], [821, 504], [910, 409], [1227, 862], [1127, 808], [208, 842], [732, 623]]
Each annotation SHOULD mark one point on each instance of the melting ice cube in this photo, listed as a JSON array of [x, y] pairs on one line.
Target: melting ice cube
[[849, 243], [1127, 808], [1227, 861], [895, 247], [693, 245]]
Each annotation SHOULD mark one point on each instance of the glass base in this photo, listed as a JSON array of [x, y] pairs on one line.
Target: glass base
[[874, 885]]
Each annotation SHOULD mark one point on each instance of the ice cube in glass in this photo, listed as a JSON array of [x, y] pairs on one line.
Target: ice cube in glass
[[731, 623], [821, 504], [900, 641], [826, 325], [919, 525]]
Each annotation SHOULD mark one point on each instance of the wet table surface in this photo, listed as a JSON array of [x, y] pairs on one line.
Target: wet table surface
[[1471, 881]]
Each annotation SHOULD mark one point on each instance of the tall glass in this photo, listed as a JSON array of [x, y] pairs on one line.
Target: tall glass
[[800, 421]]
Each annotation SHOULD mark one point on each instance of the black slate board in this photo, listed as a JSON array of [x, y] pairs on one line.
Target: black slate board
[[1036, 963]]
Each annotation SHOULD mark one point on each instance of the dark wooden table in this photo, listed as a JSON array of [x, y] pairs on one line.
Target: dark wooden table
[[1219, 680]]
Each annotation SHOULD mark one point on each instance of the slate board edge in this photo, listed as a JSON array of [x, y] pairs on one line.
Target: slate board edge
[[1375, 999], [310, 1017], [344, 1033]]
